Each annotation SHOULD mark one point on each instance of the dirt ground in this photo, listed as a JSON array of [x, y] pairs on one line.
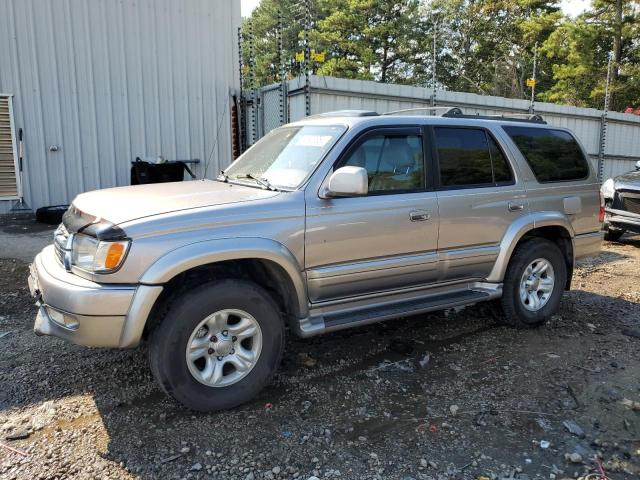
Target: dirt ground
[[449, 395]]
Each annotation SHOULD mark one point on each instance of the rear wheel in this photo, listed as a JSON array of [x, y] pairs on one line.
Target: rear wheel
[[613, 234], [218, 345], [533, 284]]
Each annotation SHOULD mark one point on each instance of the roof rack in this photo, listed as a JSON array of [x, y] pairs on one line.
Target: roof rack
[[346, 113], [512, 117], [423, 109], [456, 112]]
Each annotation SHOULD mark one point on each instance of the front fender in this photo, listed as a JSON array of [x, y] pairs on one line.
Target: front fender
[[517, 230], [211, 251]]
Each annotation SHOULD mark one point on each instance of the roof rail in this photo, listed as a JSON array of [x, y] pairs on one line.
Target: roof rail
[[346, 113], [511, 117], [423, 109]]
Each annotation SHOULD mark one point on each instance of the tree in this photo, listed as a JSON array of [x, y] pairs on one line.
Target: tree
[[579, 51], [369, 39]]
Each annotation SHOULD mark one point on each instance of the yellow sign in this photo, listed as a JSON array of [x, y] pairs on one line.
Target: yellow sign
[[317, 56], [531, 82]]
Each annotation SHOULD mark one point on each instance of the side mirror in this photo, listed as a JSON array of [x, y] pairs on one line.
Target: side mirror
[[638, 165], [348, 182]]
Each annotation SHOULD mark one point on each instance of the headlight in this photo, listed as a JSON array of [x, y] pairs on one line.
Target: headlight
[[95, 256], [608, 188]]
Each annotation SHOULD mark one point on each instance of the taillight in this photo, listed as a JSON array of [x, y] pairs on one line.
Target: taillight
[[601, 208]]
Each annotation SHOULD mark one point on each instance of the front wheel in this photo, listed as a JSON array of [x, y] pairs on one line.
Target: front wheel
[[533, 284], [218, 345]]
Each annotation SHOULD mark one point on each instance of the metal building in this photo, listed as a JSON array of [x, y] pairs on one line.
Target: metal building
[[95, 84]]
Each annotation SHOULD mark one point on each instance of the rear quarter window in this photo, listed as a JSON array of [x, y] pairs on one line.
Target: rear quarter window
[[553, 155]]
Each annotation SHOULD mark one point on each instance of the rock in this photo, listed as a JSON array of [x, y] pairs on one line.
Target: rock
[[424, 463], [454, 409], [18, 435], [544, 444], [313, 477], [185, 450], [574, 428], [196, 467], [573, 457], [635, 406], [276, 470], [424, 361], [306, 360], [250, 476]]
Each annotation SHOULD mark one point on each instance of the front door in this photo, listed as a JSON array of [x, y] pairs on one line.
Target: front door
[[385, 240], [478, 198]]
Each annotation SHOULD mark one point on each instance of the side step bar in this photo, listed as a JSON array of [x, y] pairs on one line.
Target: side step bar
[[353, 317]]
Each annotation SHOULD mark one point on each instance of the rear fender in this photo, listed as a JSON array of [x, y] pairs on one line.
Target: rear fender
[[519, 229]]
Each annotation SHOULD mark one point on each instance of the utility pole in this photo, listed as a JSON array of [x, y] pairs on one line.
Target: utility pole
[[533, 83], [603, 121]]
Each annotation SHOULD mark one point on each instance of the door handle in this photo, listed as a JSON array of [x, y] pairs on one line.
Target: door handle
[[419, 216], [515, 207]]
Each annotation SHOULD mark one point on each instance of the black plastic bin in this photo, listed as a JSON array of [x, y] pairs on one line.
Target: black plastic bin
[[145, 172]]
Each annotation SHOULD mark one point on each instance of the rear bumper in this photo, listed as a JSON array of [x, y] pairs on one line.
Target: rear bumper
[[622, 219], [85, 312], [587, 244]]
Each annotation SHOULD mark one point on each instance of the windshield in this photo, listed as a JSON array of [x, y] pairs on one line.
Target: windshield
[[286, 156]]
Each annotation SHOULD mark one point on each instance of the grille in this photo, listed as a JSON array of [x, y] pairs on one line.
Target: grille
[[631, 203], [60, 239]]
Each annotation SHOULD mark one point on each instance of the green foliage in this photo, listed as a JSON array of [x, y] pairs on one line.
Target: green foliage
[[482, 46]]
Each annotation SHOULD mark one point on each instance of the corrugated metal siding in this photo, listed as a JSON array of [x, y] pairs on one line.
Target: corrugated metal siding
[[109, 81], [329, 94]]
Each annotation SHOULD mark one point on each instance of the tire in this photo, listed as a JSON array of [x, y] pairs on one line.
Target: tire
[[613, 234], [178, 328], [51, 215], [522, 313]]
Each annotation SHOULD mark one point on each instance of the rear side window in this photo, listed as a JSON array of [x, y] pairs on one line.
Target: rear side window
[[469, 157], [553, 155]]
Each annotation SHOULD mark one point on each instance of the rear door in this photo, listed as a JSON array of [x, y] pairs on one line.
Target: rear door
[[478, 198], [385, 240]]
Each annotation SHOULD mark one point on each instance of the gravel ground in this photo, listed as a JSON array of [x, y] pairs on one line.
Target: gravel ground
[[449, 395]]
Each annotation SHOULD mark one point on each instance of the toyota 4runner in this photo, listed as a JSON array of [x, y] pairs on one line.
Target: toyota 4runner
[[332, 222]]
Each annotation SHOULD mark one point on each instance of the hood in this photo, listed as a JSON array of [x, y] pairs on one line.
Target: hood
[[628, 181], [123, 204]]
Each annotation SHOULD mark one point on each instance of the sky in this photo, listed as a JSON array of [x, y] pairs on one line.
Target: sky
[[571, 7]]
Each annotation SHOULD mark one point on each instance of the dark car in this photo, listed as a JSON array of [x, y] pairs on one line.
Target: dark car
[[622, 204]]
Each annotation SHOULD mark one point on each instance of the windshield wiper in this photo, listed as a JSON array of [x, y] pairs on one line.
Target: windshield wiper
[[262, 181]]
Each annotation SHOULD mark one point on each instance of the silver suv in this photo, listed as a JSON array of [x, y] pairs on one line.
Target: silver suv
[[333, 222]]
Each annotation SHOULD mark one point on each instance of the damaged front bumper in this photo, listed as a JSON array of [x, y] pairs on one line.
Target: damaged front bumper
[[622, 219]]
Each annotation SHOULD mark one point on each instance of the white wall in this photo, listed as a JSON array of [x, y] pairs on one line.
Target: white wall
[[107, 81]]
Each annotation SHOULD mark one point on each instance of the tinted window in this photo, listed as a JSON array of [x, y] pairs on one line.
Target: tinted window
[[501, 171], [393, 162], [553, 155], [469, 157]]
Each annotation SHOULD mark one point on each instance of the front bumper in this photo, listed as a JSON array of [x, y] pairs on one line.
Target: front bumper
[[622, 219], [85, 312]]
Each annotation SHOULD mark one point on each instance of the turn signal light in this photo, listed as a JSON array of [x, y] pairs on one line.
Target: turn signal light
[[114, 255]]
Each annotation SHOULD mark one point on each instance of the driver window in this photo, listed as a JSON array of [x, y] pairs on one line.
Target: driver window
[[394, 163]]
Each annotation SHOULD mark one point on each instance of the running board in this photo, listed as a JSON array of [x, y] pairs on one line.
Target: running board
[[352, 317]]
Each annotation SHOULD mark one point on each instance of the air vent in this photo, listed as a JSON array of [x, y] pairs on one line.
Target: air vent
[[8, 171]]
